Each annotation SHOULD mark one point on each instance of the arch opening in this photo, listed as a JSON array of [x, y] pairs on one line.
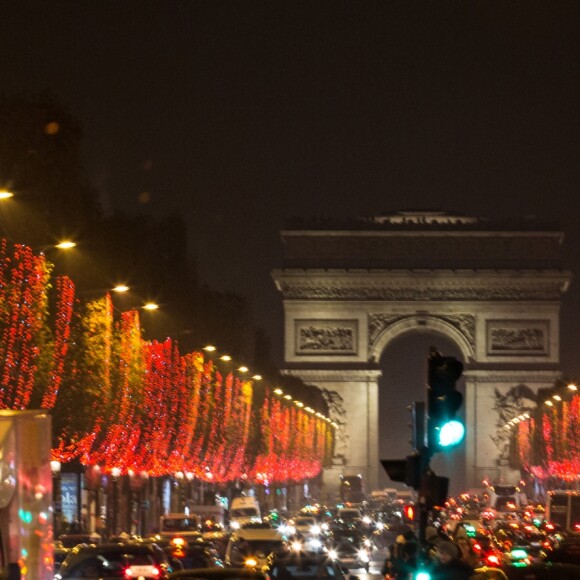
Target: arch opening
[[403, 363]]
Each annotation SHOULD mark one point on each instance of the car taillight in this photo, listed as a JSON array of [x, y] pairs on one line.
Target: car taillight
[[493, 560], [154, 571]]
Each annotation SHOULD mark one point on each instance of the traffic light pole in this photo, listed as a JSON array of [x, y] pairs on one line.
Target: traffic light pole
[[434, 429]]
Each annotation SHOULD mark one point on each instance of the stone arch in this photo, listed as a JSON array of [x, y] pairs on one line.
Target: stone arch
[[492, 289], [460, 330]]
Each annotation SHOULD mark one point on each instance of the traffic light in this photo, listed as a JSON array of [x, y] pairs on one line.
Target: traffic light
[[444, 430], [407, 471], [409, 512]]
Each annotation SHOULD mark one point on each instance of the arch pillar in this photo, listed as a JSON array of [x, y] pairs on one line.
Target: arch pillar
[[353, 399], [492, 398]]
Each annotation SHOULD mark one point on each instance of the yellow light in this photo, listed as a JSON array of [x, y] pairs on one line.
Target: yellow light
[[549, 403], [120, 288], [299, 404], [225, 357], [572, 387], [278, 391], [209, 348], [288, 397], [309, 410], [257, 377], [557, 398], [6, 194], [65, 245], [150, 306], [243, 369]]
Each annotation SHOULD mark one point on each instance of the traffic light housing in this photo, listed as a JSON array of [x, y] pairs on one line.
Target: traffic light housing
[[407, 471], [444, 430]]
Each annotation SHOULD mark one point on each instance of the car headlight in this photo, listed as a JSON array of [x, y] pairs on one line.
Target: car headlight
[[315, 544], [315, 530], [332, 554], [235, 525], [363, 556], [250, 562]]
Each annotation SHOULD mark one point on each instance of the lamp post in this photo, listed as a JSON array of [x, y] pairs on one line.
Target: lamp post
[[115, 473], [56, 497]]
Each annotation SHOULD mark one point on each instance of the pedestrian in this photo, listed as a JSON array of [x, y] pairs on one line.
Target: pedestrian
[[449, 565]]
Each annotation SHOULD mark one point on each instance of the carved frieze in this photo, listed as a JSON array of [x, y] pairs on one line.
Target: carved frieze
[[324, 337], [509, 403], [518, 337], [464, 323], [417, 293]]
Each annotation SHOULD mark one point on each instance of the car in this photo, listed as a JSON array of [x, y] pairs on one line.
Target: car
[[251, 547], [351, 548], [186, 555], [60, 553], [300, 566], [567, 551], [126, 560], [545, 571], [219, 574], [72, 540], [305, 525]]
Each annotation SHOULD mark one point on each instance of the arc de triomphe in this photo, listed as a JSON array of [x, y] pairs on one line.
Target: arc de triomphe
[[493, 289]]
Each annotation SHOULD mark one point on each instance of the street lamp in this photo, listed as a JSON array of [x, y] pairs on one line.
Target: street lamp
[[4, 194], [115, 473]]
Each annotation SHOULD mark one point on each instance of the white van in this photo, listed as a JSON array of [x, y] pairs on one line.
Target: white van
[[243, 510]]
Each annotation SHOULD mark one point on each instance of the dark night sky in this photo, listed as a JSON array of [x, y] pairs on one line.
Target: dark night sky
[[242, 114]]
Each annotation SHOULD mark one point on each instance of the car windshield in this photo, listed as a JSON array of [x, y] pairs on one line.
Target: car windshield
[[262, 547], [179, 525], [241, 512]]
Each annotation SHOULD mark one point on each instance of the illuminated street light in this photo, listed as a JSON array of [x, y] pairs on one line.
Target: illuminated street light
[[6, 194], [209, 348], [226, 357], [278, 391], [150, 306], [243, 369], [120, 288], [288, 397], [549, 403], [257, 377], [66, 245], [572, 387], [557, 398]]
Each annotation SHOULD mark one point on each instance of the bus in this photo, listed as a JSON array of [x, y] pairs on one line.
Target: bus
[[563, 508], [505, 498], [352, 489]]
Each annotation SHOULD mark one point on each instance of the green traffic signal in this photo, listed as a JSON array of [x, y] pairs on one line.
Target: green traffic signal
[[443, 401], [451, 433]]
